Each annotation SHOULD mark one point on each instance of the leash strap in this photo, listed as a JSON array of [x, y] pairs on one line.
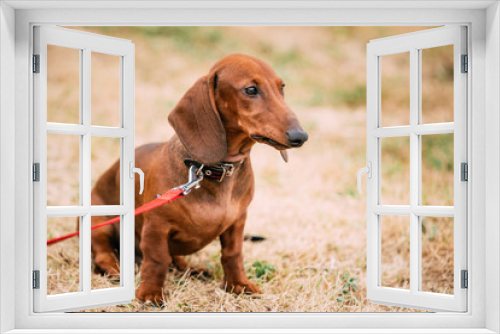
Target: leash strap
[[169, 196]]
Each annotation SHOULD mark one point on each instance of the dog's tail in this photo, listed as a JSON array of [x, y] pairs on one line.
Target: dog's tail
[[253, 238]]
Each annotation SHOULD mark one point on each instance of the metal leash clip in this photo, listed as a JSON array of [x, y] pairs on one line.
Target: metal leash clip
[[195, 177]]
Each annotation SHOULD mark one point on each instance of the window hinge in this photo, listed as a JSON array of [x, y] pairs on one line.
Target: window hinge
[[36, 172], [36, 279], [36, 63], [465, 64], [464, 171], [465, 279]]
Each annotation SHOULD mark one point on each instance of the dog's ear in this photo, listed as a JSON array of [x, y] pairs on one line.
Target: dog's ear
[[197, 122]]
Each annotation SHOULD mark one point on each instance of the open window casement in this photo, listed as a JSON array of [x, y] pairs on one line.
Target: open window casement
[[83, 131], [403, 222]]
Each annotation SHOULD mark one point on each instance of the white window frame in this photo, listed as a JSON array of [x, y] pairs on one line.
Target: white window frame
[[414, 210], [483, 20], [86, 44]]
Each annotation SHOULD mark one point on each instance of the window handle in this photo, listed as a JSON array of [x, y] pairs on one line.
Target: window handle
[[141, 175], [368, 171]]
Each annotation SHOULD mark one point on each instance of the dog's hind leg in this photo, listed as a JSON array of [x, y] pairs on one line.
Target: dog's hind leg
[[104, 250], [105, 242]]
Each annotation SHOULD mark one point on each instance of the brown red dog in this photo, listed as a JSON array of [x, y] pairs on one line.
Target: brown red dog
[[219, 119]]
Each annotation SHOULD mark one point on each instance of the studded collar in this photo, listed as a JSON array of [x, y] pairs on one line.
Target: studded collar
[[218, 171]]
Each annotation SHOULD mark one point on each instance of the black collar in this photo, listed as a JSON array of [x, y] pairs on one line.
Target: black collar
[[215, 172]]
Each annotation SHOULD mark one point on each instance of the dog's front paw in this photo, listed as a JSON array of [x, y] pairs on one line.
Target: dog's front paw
[[245, 287], [151, 295]]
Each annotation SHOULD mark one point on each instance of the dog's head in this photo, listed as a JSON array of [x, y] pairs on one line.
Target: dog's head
[[242, 97]]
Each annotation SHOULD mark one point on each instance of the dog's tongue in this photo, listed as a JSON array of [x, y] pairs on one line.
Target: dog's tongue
[[284, 155]]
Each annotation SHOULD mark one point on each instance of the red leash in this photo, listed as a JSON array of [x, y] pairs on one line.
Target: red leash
[[169, 196]]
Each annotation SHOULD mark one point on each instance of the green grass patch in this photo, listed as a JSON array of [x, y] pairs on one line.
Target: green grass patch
[[349, 287], [261, 270]]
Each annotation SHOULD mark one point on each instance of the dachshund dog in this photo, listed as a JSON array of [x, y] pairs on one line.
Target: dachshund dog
[[239, 103]]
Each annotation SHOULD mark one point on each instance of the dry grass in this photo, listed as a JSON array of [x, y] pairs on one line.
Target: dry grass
[[314, 255]]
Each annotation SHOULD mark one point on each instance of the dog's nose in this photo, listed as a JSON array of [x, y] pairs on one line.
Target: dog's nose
[[296, 137]]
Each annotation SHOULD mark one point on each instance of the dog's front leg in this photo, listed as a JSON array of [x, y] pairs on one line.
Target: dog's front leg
[[235, 279], [157, 259]]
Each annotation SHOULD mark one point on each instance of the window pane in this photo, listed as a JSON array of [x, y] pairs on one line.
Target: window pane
[[395, 170], [437, 169], [63, 85], [105, 156], [437, 84], [437, 254], [395, 89], [395, 251], [63, 258], [105, 90], [105, 254], [63, 169]]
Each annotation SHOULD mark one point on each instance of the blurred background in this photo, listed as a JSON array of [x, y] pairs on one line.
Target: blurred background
[[309, 211]]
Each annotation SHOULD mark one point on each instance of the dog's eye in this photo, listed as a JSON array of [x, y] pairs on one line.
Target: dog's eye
[[251, 91], [282, 89]]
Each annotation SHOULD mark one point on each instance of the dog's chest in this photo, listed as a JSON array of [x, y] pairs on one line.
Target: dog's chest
[[205, 219], [216, 215]]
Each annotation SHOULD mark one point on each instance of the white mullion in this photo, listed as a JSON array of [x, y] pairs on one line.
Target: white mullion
[[434, 129], [433, 211], [419, 129], [85, 167], [377, 141], [108, 210], [86, 116], [67, 129], [78, 129], [66, 211], [75, 129], [393, 131], [400, 210], [419, 210], [414, 170], [95, 210], [85, 265], [103, 131]]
